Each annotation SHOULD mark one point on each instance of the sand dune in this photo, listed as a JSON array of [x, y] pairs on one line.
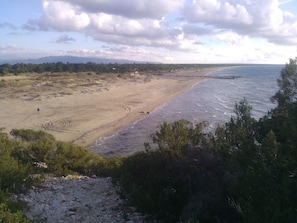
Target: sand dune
[[81, 108]]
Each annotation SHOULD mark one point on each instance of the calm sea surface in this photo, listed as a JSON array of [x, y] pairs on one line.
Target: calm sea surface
[[212, 100]]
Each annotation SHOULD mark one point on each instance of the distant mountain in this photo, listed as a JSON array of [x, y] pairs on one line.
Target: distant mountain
[[69, 59]]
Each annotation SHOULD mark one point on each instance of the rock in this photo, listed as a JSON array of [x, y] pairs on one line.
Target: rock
[[78, 199]]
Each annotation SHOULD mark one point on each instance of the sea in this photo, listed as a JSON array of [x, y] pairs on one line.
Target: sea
[[211, 100]]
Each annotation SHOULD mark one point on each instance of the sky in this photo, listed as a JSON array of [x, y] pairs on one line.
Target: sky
[[166, 31]]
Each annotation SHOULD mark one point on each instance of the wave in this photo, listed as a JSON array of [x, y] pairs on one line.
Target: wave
[[210, 100], [219, 99]]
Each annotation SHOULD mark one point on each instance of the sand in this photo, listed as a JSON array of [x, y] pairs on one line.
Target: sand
[[81, 108]]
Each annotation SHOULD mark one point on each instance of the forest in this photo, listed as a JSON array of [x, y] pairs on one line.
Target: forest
[[92, 67], [246, 171]]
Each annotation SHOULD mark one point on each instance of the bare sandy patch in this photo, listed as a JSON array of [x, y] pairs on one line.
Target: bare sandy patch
[[83, 107]]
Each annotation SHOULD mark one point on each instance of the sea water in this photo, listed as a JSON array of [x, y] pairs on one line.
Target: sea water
[[211, 100]]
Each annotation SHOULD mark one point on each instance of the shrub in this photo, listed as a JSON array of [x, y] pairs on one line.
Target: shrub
[[152, 184], [180, 180]]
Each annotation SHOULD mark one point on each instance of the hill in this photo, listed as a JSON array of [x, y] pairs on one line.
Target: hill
[[69, 59]]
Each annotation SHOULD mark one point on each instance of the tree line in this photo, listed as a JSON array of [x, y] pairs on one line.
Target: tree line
[[89, 67]]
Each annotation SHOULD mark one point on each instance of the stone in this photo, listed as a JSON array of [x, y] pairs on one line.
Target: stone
[[78, 199]]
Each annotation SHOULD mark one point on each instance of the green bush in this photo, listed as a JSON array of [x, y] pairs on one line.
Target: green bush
[[6, 216], [59, 158], [11, 212], [69, 158], [31, 152], [261, 159], [150, 180], [14, 175], [177, 181]]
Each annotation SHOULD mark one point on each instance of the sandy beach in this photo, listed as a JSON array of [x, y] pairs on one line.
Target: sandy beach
[[81, 108]]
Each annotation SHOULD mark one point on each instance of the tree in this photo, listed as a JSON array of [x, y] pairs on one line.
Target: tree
[[38, 69], [260, 160], [179, 134], [5, 69], [238, 134], [173, 136], [287, 93]]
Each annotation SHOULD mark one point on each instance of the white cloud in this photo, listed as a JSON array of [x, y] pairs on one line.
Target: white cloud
[[61, 16], [118, 25], [117, 52], [232, 38], [215, 11], [199, 27], [87, 17], [136, 9], [7, 48], [121, 30], [261, 19], [141, 22]]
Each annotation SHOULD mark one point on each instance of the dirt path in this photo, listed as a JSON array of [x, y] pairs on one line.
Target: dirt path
[[78, 199]]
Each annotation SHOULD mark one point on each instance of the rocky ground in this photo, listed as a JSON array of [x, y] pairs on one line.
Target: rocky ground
[[78, 199]]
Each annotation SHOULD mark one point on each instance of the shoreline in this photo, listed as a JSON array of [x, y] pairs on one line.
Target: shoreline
[[97, 109], [151, 107]]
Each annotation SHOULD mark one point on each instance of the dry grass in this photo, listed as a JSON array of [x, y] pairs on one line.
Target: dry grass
[[57, 85]]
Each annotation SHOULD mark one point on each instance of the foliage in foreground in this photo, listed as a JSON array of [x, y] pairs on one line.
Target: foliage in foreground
[[179, 180], [245, 173], [37, 152]]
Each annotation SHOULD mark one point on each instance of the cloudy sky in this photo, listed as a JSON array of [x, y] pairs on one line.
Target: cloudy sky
[[168, 31]]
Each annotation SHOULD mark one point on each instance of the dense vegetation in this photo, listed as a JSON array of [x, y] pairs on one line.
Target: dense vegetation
[[30, 155], [244, 172], [91, 67]]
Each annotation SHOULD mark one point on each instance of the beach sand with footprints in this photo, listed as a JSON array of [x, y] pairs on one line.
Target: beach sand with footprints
[[83, 107]]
